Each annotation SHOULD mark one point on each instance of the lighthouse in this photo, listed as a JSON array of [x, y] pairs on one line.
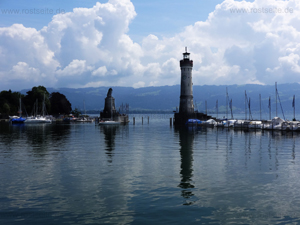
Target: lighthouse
[[186, 105]]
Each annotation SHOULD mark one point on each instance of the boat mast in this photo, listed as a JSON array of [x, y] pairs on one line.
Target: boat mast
[[270, 108], [250, 114], [226, 103], [294, 107], [280, 103], [20, 109], [230, 104], [247, 104], [217, 108], [43, 107], [246, 100], [259, 106], [276, 96], [36, 109]]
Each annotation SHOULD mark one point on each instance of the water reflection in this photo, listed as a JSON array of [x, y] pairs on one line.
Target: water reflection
[[10, 132], [146, 181], [109, 137], [38, 137], [186, 138], [45, 137]]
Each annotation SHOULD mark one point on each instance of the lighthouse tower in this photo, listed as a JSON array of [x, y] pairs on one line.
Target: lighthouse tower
[[186, 105]]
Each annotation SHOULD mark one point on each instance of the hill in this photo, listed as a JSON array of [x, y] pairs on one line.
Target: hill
[[166, 98]]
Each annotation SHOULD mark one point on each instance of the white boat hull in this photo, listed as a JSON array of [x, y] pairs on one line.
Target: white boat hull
[[109, 123], [37, 120]]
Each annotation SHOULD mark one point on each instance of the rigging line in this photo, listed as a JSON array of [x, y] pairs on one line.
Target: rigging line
[[250, 114], [280, 105]]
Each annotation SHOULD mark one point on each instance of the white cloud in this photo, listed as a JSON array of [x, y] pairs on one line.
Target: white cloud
[[139, 84], [101, 71], [22, 70], [90, 46], [75, 68]]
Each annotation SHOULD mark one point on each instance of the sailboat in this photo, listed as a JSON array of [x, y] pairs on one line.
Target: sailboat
[[36, 118], [276, 124], [18, 119], [85, 117]]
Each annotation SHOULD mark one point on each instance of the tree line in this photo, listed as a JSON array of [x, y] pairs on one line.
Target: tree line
[[55, 103]]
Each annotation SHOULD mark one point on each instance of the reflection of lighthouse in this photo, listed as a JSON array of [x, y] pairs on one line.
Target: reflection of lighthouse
[[186, 105], [186, 93], [186, 138]]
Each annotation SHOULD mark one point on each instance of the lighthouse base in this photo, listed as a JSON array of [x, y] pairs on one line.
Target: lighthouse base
[[181, 118]]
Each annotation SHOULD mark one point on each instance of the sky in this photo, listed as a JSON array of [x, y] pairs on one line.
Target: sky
[[137, 43]]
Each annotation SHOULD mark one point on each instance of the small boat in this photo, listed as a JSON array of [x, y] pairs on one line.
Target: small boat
[[67, 119], [193, 122], [255, 125], [220, 124], [37, 119], [239, 124], [83, 119], [295, 126], [229, 123], [276, 124], [109, 122], [17, 120], [209, 123]]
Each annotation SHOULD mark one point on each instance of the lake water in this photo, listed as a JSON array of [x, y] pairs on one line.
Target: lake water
[[147, 174]]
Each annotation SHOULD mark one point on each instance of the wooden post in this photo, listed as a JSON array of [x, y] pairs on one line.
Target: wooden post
[[133, 120], [170, 121]]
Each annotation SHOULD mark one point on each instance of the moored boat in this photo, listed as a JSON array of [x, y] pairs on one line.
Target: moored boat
[[255, 124], [229, 123], [276, 124], [238, 124], [209, 123], [220, 124], [37, 119], [108, 122], [17, 120], [193, 122]]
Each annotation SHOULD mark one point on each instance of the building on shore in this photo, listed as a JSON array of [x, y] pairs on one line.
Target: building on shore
[[186, 104], [110, 113]]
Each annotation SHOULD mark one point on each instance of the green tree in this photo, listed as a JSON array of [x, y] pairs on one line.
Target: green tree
[[9, 102], [59, 104], [37, 95], [76, 112], [6, 108]]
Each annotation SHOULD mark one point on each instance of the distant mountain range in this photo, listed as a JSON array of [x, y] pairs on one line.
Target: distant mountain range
[[166, 98]]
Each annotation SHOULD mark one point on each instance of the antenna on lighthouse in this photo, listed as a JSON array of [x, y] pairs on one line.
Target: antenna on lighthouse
[[185, 49]]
